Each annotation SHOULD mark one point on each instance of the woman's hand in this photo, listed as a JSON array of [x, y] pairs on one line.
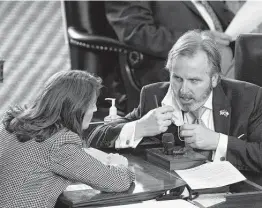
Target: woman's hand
[[117, 160]]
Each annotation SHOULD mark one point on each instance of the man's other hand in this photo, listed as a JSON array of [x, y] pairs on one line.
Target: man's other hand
[[154, 122], [199, 137], [221, 38]]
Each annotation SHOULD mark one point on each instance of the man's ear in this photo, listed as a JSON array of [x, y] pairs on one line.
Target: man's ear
[[215, 79]]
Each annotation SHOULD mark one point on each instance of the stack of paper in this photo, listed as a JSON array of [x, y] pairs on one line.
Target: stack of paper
[[208, 200], [156, 204], [211, 175]]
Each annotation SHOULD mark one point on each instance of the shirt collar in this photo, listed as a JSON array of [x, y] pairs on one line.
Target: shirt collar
[[209, 104]]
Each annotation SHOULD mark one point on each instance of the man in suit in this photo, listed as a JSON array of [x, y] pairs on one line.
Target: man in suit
[[154, 26], [220, 116]]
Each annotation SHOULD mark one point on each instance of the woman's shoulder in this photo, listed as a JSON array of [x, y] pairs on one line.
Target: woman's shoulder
[[65, 136], [3, 131]]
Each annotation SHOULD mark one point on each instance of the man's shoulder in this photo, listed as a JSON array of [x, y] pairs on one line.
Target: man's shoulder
[[232, 84], [157, 87], [239, 89]]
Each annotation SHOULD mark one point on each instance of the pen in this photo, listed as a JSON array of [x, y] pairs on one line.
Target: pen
[[156, 101], [97, 122], [239, 137]]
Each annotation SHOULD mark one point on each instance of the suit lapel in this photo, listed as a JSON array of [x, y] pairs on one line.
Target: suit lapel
[[220, 11], [192, 7], [221, 111], [218, 8]]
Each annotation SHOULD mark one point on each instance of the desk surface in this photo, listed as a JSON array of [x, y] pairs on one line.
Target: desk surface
[[150, 182]]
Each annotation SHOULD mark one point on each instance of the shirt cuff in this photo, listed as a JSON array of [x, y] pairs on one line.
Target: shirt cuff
[[126, 137], [221, 151]]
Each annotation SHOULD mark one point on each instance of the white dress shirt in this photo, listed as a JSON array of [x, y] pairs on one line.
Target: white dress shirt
[[203, 12], [127, 139]]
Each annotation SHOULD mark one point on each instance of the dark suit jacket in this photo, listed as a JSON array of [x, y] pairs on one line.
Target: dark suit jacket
[[242, 101], [154, 26]]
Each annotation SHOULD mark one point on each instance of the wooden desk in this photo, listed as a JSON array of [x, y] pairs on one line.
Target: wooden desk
[[245, 194], [151, 181]]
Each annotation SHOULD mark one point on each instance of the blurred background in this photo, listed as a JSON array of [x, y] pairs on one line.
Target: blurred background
[[33, 45]]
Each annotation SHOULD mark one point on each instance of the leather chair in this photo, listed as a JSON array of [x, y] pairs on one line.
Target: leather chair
[[248, 58], [94, 47]]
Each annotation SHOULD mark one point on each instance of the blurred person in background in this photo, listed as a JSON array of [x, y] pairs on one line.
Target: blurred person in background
[[154, 26]]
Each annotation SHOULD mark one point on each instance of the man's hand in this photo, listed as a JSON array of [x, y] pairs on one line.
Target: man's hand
[[199, 137], [226, 60], [154, 122], [221, 38]]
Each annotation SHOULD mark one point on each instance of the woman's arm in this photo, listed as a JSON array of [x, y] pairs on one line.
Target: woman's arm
[[71, 161]]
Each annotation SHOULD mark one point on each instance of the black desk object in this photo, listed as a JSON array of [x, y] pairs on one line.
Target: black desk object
[[151, 181], [245, 194], [175, 162]]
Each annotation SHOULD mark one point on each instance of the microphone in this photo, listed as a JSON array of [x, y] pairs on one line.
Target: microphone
[[168, 142]]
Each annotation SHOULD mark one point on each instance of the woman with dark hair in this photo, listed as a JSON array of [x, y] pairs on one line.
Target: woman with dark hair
[[41, 148]]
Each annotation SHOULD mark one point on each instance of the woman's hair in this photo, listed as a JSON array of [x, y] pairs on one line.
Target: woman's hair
[[65, 98]]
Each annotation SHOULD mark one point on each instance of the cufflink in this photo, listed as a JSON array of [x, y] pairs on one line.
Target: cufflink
[[127, 142], [222, 158]]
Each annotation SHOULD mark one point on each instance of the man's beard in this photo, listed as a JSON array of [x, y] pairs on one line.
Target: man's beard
[[196, 103]]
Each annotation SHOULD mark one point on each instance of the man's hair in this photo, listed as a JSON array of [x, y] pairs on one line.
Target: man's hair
[[192, 42], [62, 103]]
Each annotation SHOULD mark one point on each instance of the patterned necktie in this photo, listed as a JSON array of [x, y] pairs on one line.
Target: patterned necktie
[[213, 15], [198, 114]]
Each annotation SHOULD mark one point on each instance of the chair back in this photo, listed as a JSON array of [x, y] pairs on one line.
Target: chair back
[[248, 58], [94, 47], [89, 17]]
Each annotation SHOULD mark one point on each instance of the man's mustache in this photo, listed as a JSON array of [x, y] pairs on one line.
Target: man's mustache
[[186, 96]]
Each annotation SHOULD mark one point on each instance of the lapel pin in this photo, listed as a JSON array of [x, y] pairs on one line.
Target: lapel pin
[[224, 113]]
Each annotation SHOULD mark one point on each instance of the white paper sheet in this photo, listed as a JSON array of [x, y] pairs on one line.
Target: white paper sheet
[[208, 200], [211, 175], [98, 154], [78, 187], [247, 19], [178, 203]]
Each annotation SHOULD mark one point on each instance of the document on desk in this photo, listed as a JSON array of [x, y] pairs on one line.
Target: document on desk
[[78, 187], [211, 175], [153, 203], [98, 154], [247, 19], [208, 200]]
